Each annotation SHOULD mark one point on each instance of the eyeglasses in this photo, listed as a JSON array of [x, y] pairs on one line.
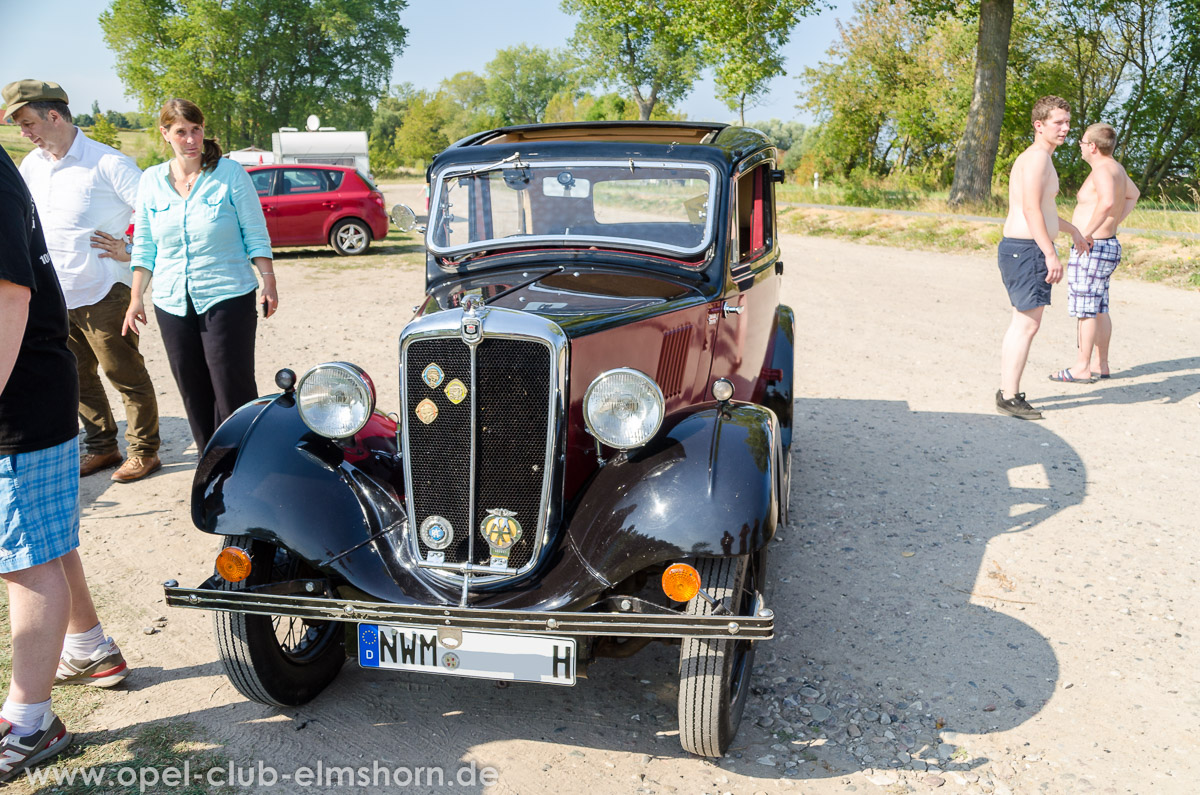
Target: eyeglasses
[[1082, 142]]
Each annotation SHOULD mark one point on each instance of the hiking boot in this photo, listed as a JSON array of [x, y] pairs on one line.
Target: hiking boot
[[91, 463], [104, 668], [1016, 407], [136, 468], [18, 754]]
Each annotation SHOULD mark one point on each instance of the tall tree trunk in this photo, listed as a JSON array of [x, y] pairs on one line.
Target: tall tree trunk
[[977, 149]]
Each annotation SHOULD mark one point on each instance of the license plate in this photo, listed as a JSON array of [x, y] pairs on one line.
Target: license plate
[[483, 655]]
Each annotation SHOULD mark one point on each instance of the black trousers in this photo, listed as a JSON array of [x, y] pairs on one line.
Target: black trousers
[[212, 358]]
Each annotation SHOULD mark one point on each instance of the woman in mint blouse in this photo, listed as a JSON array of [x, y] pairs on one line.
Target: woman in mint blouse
[[198, 228]]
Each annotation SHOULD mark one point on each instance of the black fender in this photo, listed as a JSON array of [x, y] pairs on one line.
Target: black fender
[[778, 395], [266, 475], [706, 486]]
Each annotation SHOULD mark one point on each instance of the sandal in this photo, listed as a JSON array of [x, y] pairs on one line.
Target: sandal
[[1064, 376]]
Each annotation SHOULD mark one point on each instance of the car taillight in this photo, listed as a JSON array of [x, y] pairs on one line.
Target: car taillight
[[378, 197]]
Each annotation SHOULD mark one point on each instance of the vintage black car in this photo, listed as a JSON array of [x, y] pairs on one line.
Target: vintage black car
[[592, 449]]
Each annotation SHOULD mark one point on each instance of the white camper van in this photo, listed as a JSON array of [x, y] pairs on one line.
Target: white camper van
[[325, 146]]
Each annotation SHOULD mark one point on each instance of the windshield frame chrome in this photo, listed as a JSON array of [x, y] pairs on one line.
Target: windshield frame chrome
[[441, 179]]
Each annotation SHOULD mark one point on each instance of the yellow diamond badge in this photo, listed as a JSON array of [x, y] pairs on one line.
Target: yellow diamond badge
[[427, 411], [456, 391]]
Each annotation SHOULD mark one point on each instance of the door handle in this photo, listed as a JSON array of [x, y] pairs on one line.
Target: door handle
[[728, 309], [330, 205]]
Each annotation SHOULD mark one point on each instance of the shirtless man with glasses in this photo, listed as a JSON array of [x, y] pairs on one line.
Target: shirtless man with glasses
[[1106, 198]]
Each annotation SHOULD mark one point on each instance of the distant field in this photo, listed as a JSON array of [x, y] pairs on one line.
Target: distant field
[[135, 143]]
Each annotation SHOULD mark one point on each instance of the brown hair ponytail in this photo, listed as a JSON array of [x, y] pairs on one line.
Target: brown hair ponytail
[[212, 155]]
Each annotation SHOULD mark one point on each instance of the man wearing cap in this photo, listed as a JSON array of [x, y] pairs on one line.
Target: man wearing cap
[[85, 193]]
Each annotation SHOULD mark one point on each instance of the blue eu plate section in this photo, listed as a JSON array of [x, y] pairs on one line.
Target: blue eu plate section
[[472, 653]]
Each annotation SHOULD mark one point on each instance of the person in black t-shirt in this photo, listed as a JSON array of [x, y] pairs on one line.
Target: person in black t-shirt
[[48, 594]]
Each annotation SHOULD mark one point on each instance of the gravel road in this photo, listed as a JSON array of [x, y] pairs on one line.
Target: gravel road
[[966, 601]]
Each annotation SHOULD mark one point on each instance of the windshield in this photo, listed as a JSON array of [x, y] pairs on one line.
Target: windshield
[[647, 205]]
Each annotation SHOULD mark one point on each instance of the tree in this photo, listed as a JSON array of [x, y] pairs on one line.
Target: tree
[[256, 65], [104, 132], [521, 81], [741, 41], [421, 136], [647, 47], [980, 140]]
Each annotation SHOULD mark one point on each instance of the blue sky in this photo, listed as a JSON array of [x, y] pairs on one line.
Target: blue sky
[[445, 37]]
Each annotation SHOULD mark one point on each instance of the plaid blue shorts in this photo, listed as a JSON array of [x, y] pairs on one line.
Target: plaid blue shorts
[[1088, 276], [39, 506]]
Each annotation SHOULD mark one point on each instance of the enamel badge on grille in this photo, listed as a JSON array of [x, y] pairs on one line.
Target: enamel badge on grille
[[456, 391], [426, 411], [437, 532], [432, 376], [501, 530]]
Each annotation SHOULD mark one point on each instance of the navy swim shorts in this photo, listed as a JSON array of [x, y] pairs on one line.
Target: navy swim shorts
[[1023, 268]]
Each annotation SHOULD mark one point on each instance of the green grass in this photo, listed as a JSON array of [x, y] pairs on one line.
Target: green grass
[[402, 250]]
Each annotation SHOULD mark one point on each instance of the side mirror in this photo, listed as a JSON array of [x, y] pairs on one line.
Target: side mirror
[[777, 175], [404, 218]]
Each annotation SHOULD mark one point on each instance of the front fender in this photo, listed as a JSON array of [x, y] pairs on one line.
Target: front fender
[[268, 476], [705, 487]]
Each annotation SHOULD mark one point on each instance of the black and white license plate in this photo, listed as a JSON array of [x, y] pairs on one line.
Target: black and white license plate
[[483, 655]]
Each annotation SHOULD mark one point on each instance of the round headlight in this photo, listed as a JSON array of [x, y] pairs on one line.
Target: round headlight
[[623, 408], [335, 399]]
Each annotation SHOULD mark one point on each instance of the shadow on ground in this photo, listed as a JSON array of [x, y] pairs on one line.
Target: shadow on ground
[[878, 585]]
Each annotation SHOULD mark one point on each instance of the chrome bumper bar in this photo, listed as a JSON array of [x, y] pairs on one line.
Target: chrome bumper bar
[[760, 625]]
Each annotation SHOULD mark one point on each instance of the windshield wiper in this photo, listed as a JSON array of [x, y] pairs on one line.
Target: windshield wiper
[[514, 161], [526, 283]]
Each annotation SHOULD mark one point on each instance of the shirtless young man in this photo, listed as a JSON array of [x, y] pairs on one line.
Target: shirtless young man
[[1028, 262], [1106, 197]]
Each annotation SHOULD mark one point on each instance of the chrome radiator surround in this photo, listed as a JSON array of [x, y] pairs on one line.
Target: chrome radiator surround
[[472, 326]]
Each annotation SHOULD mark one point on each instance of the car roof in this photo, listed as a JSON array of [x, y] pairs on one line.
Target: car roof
[[265, 166], [664, 132]]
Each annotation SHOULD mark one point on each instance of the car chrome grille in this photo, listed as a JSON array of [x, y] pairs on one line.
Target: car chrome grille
[[508, 430]]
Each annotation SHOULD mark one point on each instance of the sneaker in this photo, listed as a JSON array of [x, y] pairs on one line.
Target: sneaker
[[136, 468], [91, 463], [1016, 407], [18, 754], [104, 668]]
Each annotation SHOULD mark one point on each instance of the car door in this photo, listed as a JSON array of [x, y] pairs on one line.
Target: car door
[[745, 314], [303, 203], [264, 180]]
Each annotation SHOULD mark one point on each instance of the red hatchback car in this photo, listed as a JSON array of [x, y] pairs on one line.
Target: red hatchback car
[[309, 205]]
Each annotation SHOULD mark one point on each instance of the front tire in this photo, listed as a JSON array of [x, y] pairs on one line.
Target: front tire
[[276, 660], [350, 236], [714, 674]]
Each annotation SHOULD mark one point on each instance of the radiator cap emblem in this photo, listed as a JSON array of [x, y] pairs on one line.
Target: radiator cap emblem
[[437, 532], [501, 530], [426, 411], [456, 391], [433, 376]]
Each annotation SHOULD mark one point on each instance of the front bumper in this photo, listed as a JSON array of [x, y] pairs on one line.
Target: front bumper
[[759, 625]]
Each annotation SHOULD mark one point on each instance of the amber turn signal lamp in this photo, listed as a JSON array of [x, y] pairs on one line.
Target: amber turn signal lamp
[[233, 564], [680, 582]]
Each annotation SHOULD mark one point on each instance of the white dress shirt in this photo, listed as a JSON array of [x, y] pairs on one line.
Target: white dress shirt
[[92, 187]]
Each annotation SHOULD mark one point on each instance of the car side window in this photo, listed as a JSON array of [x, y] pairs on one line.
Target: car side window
[[262, 181], [299, 181], [334, 178], [754, 205]]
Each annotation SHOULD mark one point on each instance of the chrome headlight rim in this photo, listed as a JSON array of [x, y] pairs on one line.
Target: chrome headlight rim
[[358, 376], [656, 393]]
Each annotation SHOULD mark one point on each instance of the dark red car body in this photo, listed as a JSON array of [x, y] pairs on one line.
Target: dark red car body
[[314, 205]]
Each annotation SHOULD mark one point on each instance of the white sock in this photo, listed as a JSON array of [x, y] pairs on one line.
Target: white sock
[[25, 718], [81, 645]]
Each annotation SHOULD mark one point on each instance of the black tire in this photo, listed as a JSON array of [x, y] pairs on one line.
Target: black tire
[[350, 236], [714, 675], [276, 660]]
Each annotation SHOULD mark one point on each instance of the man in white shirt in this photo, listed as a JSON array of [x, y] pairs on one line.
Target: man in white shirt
[[85, 193]]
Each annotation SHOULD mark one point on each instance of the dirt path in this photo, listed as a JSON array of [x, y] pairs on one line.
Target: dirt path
[[964, 600]]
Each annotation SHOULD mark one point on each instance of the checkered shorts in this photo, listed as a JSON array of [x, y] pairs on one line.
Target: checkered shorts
[[39, 506], [1088, 276]]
